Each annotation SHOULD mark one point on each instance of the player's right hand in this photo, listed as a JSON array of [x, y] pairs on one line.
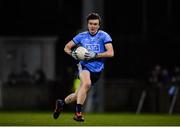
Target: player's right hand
[[74, 55]]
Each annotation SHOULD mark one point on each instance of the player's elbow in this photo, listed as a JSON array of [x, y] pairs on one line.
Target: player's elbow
[[111, 54], [66, 50]]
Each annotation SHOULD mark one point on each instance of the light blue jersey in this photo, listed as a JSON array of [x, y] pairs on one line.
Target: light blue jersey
[[95, 43]]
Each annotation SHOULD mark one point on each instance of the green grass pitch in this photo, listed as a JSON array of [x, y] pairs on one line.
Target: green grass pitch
[[106, 119]]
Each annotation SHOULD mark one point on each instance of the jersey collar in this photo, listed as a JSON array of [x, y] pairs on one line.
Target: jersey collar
[[93, 34]]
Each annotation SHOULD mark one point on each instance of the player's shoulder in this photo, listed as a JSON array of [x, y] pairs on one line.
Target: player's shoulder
[[83, 33], [103, 32]]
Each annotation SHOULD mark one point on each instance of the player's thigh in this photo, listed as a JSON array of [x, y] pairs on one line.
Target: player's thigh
[[84, 76]]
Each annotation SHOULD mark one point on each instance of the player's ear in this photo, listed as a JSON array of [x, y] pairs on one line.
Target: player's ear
[[99, 26]]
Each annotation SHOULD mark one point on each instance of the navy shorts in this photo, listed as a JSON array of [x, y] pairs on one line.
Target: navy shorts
[[93, 75]]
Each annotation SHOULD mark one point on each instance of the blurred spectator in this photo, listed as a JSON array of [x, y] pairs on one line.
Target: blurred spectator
[[39, 77], [166, 77], [155, 75], [176, 75], [12, 78], [160, 76], [175, 82], [24, 78]]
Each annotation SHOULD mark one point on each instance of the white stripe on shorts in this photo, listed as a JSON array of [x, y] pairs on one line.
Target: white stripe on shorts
[[79, 67]]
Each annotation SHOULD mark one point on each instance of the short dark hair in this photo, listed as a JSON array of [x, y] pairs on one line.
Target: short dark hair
[[93, 15]]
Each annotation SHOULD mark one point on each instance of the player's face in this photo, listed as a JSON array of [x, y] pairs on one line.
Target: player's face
[[93, 26]]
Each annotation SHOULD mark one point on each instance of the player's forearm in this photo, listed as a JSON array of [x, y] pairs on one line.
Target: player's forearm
[[67, 50], [105, 54], [68, 47]]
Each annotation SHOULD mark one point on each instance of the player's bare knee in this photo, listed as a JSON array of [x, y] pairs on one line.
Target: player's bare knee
[[75, 96]]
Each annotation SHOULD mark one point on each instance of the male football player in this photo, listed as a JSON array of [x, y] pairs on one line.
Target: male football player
[[99, 44]]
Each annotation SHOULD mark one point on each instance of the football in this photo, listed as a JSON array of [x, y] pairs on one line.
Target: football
[[80, 51]]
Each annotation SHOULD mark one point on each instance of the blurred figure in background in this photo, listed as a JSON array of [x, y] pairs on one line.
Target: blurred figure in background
[[175, 82], [155, 75], [99, 44], [39, 77], [12, 78], [24, 77]]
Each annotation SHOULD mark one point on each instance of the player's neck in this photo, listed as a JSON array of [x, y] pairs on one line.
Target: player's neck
[[93, 34]]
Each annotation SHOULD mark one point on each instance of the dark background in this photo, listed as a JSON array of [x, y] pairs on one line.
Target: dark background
[[144, 33]]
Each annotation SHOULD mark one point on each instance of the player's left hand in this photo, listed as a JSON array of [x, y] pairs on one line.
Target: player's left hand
[[74, 55], [90, 55]]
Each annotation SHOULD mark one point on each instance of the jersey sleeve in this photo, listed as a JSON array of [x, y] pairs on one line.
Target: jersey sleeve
[[77, 39], [107, 38]]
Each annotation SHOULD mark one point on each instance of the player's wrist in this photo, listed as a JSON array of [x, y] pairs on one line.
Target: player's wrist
[[96, 55], [70, 53]]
